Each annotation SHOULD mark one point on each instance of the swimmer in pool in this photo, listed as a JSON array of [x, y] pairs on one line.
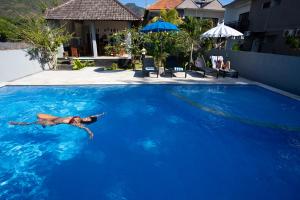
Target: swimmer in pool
[[49, 120]]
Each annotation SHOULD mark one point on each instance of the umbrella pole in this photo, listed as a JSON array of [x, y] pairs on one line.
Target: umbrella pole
[[160, 49], [218, 46]]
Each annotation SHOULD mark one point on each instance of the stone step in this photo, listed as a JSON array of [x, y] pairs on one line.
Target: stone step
[[63, 61]]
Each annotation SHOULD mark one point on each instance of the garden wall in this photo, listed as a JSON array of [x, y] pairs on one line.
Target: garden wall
[[279, 71], [15, 64]]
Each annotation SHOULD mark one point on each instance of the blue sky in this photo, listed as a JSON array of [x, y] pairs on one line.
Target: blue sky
[[142, 3]]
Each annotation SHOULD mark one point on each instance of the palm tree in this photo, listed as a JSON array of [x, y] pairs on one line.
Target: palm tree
[[195, 27], [171, 16]]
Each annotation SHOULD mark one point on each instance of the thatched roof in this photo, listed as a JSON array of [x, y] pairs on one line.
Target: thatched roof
[[92, 10]]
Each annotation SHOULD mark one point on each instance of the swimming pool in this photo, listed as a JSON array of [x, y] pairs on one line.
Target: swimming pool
[[177, 142]]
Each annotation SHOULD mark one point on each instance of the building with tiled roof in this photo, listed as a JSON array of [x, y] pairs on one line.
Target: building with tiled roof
[[164, 4], [91, 21], [204, 9]]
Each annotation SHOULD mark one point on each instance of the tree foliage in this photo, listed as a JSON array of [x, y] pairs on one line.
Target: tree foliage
[[7, 29], [171, 16], [44, 39], [44, 5], [156, 44], [194, 28], [16, 8]]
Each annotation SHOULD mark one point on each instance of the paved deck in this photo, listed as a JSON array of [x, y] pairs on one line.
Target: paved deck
[[93, 75]]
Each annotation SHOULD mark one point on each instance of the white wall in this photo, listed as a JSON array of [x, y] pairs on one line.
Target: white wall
[[202, 13], [233, 11], [15, 64]]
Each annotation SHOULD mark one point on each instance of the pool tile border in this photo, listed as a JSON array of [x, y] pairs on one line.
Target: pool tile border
[[166, 81]]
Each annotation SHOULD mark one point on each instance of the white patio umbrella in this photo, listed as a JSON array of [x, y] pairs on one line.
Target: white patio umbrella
[[221, 31]]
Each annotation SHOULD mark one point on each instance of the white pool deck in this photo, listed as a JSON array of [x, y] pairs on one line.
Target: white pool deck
[[94, 76]]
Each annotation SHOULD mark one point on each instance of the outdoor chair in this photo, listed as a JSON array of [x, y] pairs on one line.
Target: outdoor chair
[[200, 65], [173, 65], [149, 66], [74, 52]]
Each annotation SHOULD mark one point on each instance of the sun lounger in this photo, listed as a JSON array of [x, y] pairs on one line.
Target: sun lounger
[[200, 65], [149, 66], [172, 66]]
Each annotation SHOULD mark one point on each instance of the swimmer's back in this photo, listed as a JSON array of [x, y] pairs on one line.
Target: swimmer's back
[[46, 116]]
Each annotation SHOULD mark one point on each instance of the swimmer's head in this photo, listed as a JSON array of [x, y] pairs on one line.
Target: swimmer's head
[[90, 119]]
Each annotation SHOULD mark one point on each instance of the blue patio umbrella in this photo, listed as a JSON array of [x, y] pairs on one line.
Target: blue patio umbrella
[[159, 26]]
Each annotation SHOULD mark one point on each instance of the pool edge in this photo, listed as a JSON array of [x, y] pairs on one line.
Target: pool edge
[[249, 82]]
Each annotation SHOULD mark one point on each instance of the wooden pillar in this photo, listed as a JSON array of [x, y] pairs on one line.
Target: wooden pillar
[[93, 38]]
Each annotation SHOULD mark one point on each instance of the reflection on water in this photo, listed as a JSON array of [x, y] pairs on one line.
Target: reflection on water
[[219, 112], [294, 142]]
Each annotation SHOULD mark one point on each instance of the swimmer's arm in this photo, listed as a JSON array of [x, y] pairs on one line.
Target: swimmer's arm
[[98, 115], [91, 134], [43, 123], [23, 123]]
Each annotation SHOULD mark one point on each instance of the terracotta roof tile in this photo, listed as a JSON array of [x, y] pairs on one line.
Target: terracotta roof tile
[[164, 4], [91, 10]]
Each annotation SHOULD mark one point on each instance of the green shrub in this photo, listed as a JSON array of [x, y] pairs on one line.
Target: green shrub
[[293, 42], [109, 50], [79, 64], [236, 47], [114, 66], [90, 63]]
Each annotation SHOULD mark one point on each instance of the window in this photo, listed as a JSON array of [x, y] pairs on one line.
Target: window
[[266, 5], [276, 2], [244, 16]]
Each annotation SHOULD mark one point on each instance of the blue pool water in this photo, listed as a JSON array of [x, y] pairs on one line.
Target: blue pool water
[[156, 142]]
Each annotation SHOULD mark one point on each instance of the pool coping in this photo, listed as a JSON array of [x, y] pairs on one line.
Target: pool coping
[[279, 91], [249, 82]]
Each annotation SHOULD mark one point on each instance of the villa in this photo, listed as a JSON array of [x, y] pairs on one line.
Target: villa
[[91, 22], [204, 9]]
